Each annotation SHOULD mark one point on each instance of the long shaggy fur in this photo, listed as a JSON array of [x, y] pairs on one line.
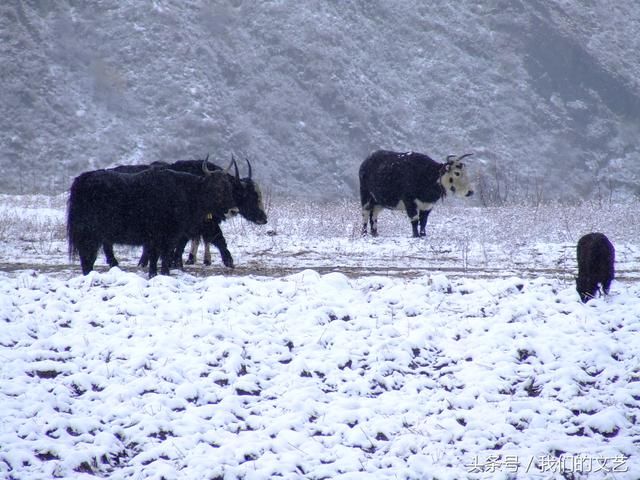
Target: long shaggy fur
[[596, 257], [153, 208]]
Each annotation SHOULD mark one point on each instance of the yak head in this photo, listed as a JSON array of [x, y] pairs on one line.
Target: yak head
[[248, 196], [219, 201], [586, 288], [455, 178]]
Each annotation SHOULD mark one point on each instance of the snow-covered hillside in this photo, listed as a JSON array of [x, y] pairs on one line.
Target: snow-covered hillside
[[546, 92], [324, 355]]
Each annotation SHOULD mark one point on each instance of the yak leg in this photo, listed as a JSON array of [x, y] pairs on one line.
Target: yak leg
[[424, 215], [207, 253], [370, 214], [373, 220], [164, 253], [215, 236], [176, 261], [365, 218], [193, 253], [144, 258], [88, 255], [412, 213], [153, 255], [166, 256], [108, 254]]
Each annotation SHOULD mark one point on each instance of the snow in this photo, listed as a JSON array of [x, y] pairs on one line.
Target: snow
[[316, 365]]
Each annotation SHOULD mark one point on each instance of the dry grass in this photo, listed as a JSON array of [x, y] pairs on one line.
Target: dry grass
[[461, 240]]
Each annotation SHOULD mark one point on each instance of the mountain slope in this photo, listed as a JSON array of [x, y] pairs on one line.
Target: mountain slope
[[546, 92]]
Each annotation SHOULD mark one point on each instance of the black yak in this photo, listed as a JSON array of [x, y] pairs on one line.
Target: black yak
[[246, 194], [248, 198], [596, 257], [155, 208]]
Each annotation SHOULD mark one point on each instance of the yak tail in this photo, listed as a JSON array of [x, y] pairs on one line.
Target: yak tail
[[71, 220]]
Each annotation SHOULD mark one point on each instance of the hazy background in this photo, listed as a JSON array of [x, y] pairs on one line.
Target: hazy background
[[546, 93]]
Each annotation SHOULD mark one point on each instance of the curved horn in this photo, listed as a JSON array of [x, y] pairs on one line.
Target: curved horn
[[235, 166], [249, 164], [464, 156], [450, 157], [226, 170], [205, 168]]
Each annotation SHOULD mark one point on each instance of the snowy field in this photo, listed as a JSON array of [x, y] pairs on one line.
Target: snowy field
[[324, 355]]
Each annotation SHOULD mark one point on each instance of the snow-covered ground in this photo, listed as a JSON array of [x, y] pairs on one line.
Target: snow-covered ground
[[324, 355]]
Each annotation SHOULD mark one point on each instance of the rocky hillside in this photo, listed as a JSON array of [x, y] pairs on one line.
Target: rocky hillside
[[546, 93]]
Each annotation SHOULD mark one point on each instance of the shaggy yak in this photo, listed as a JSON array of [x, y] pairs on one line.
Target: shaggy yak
[[595, 265]]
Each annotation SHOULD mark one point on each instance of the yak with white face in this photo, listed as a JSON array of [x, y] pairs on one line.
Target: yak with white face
[[408, 181]]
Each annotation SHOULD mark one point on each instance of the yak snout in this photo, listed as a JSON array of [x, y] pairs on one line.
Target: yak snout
[[261, 218]]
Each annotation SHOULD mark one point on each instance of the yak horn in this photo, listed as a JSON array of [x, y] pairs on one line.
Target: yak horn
[[226, 170], [205, 168], [465, 155], [235, 166], [249, 165]]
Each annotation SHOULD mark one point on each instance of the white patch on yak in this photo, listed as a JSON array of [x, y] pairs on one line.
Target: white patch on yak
[[400, 206], [232, 212], [376, 211], [422, 206]]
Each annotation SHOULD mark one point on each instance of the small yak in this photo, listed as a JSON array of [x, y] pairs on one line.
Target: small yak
[[596, 257]]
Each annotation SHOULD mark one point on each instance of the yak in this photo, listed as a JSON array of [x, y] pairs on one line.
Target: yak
[[246, 194], [154, 208], [248, 197], [409, 181], [596, 257]]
